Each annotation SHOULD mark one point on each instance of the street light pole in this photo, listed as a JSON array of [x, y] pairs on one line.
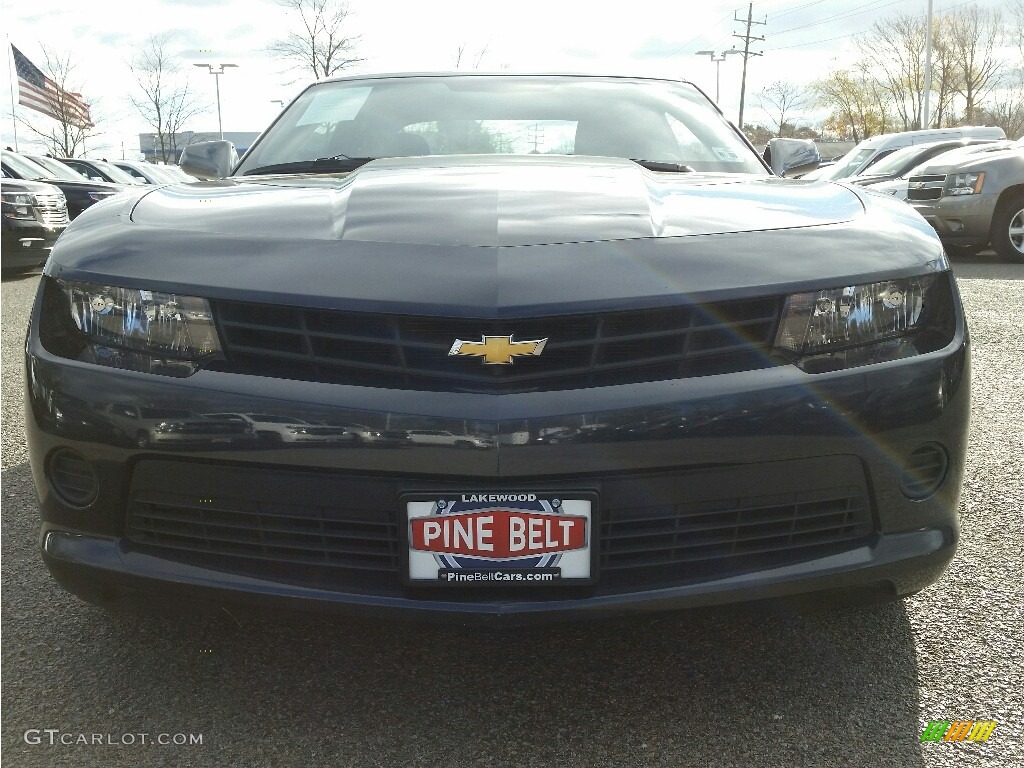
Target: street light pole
[[926, 102], [217, 70], [718, 59]]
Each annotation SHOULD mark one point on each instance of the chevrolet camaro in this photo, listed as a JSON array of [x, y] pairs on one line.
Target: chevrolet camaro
[[615, 359]]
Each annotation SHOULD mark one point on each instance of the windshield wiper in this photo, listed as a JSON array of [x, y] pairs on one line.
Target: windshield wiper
[[654, 165], [321, 164]]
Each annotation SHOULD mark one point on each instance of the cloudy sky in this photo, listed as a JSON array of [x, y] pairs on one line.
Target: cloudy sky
[[804, 40]]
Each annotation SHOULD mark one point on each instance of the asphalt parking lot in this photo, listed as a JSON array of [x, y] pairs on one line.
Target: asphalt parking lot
[[848, 687]]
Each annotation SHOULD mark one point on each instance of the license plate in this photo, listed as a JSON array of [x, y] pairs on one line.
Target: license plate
[[500, 539]]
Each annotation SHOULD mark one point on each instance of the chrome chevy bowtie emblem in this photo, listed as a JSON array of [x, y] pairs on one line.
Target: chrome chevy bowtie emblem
[[497, 350]]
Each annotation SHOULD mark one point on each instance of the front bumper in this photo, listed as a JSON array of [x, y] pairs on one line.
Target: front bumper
[[963, 220], [764, 439], [100, 570], [27, 244]]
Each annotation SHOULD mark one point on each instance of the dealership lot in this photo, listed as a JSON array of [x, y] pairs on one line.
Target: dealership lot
[[852, 687]]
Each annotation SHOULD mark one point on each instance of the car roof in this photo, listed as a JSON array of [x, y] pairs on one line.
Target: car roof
[[502, 73]]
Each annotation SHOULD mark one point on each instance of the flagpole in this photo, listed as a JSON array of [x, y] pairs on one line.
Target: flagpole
[[10, 82]]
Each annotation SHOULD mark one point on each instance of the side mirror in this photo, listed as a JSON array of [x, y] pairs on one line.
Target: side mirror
[[209, 159], [792, 157]]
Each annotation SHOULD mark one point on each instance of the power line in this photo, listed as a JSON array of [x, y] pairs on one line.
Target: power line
[[779, 15], [861, 31], [694, 39], [856, 11]]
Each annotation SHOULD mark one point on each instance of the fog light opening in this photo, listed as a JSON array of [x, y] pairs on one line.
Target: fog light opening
[[924, 471], [72, 479]]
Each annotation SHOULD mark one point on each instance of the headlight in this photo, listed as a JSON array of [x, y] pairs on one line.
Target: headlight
[[97, 196], [18, 205], [868, 323], [965, 183], [131, 328]]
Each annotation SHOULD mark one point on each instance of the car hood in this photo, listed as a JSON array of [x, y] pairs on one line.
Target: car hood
[[510, 201], [970, 162], [494, 239], [86, 185], [32, 187], [867, 181]]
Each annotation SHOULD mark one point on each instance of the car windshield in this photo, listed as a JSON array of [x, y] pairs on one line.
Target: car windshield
[[56, 167], [176, 173], [845, 166], [115, 173], [900, 160], [161, 173], [653, 120], [146, 171], [26, 169]]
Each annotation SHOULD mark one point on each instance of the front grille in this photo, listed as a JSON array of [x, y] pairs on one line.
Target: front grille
[[657, 529], [53, 210], [408, 352], [930, 187]]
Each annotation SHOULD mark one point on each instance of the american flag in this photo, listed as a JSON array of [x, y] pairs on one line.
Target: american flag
[[37, 91]]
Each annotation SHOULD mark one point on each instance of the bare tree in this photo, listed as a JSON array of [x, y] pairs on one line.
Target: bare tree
[[975, 35], [166, 103], [784, 98], [945, 74], [71, 112], [478, 59], [895, 49], [322, 44], [1016, 30], [854, 101], [1005, 106], [1006, 111]]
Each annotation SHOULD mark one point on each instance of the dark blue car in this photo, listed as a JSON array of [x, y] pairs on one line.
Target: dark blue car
[[622, 364]]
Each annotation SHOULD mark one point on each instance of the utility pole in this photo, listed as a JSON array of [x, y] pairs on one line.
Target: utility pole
[[538, 137], [746, 38]]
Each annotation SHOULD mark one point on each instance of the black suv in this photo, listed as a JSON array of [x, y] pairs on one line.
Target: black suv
[[33, 216], [80, 192]]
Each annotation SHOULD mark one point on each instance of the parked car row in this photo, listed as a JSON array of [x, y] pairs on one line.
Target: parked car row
[[80, 192], [42, 194], [967, 182], [891, 174], [148, 173], [100, 170], [859, 160]]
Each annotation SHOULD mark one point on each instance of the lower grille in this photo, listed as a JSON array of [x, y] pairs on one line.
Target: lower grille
[[656, 530], [733, 530], [301, 535]]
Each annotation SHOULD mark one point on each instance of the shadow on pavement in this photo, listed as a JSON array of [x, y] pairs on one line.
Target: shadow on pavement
[[837, 687], [986, 266]]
